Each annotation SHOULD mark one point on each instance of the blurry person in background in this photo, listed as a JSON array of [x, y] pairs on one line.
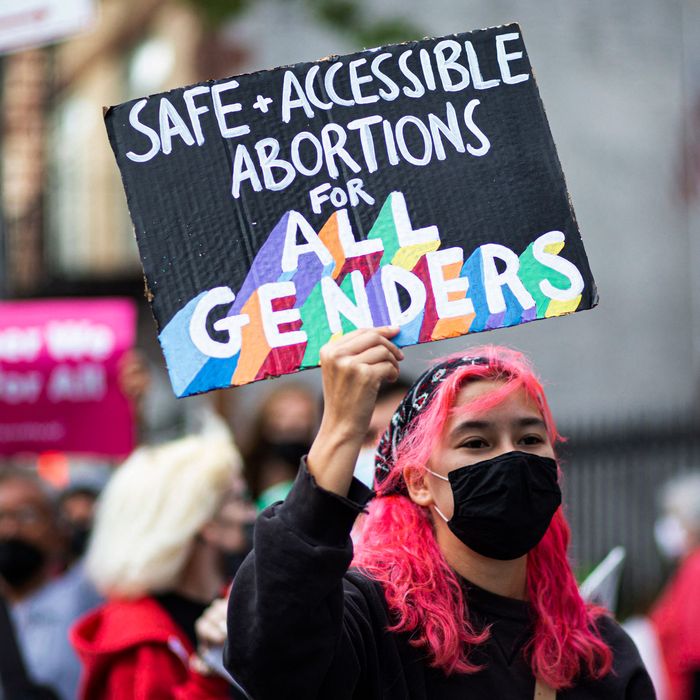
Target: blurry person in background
[[167, 528], [76, 506], [388, 398], [43, 599], [288, 414], [676, 616], [280, 436], [271, 469], [232, 528]]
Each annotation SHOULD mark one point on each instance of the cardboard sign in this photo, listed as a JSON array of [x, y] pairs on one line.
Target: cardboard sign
[[32, 23], [59, 376], [415, 184]]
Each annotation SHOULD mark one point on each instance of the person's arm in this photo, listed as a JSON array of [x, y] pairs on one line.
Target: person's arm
[[134, 380], [353, 369], [290, 633]]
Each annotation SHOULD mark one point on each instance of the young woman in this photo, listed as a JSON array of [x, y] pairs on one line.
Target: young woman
[[460, 586]]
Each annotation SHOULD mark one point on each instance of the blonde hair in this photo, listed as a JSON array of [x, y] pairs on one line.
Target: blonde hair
[[152, 509]]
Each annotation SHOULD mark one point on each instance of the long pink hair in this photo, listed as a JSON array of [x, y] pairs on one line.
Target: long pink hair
[[396, 545]]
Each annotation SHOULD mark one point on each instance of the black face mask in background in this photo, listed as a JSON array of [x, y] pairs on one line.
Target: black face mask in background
[[20, 561], [503, 506], [79, 538], [231, 561]]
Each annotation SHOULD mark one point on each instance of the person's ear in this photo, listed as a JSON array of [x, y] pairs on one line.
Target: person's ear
[[416, 481], [208, 533]]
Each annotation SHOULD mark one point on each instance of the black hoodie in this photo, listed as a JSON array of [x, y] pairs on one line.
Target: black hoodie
[[303, 627]]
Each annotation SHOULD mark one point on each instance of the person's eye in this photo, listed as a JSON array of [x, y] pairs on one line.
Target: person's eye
[[475, 443], [532, 440]]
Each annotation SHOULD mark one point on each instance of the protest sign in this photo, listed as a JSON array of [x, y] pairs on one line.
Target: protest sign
[[416, 185], [32, 23], [59, 388]]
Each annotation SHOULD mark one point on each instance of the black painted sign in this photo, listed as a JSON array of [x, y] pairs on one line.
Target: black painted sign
[[416, 185]]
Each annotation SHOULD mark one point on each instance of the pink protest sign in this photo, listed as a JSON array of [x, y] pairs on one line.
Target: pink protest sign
[[59, 362]]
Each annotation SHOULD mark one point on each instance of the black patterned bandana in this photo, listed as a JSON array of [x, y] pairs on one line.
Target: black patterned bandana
[[417, 398]]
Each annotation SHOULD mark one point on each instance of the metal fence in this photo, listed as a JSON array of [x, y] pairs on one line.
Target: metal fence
[[612, 481]]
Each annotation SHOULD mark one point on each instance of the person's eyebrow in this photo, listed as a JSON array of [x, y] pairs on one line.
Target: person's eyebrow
[[467, 425], [523, 422], [531, 422]]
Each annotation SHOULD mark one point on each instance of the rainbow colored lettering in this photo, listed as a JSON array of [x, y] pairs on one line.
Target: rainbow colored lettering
[[297, 296]]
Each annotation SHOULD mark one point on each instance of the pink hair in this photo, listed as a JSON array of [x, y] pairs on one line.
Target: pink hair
[[396, 545]]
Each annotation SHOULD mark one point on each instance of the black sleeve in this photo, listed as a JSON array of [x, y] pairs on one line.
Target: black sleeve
[[629, 675], [292, 630]]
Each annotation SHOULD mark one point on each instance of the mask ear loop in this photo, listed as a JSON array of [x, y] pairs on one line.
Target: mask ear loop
[[439, 512], [444, 478]]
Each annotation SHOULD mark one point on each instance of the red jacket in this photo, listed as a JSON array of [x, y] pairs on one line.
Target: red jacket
[[677, 621], [133, 650]]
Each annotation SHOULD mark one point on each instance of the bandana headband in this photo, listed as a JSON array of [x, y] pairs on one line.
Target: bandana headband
[[416, 400]]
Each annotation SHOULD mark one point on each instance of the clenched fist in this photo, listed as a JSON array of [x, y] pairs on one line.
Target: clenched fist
[[353, 368]]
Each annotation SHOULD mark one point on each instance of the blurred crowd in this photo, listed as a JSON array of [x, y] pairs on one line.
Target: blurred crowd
[[116, 588]]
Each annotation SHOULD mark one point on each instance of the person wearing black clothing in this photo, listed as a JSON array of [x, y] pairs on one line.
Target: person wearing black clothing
[[460, 587]]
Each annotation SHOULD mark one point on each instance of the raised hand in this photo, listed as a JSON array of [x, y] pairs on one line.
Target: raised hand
[[353, 368]]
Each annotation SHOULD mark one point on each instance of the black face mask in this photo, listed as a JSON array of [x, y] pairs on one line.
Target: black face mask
[[79, 538], [232, 560], [20, 561], [503, 506], [231, 563]]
